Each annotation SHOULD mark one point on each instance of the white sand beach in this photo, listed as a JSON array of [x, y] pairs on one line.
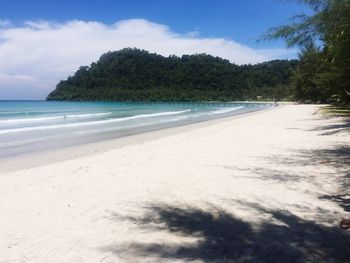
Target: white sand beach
[[266, 187]]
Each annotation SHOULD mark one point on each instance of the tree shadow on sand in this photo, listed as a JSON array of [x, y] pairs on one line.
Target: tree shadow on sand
[[267, 174], [222, 237], [342, 200], [333, 128], [284, 171], [338, 157], [341, 123]]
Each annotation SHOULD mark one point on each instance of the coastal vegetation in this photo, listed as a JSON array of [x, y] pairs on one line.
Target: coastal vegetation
[[323, 73], [137, 75]]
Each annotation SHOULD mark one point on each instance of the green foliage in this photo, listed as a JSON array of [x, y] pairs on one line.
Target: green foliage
[[133, 74], [310, 77], [337, 48], [325, 39]]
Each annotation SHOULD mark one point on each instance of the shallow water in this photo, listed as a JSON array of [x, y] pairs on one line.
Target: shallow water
[[27, 126]]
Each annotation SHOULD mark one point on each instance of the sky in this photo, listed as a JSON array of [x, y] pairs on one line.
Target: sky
[[42, 42]]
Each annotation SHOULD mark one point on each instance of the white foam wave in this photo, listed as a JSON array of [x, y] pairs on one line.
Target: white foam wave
[[84, 132], [74, 125], [88, 115], [221, 111], [50, 118]]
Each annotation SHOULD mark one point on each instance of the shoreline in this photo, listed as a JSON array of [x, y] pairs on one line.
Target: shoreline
[[61, 154], [264, 187]]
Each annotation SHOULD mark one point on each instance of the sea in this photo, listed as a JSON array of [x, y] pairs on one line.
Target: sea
[[28, 126]]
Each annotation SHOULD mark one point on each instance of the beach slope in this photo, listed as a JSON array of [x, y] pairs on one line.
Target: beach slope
[[268, 187]]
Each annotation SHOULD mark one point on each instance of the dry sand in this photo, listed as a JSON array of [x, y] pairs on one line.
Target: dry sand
[[268, 187]]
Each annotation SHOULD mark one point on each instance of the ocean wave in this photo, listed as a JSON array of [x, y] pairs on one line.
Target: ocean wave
[[51, 118], [79, 124], [226, 110], [84, 132]]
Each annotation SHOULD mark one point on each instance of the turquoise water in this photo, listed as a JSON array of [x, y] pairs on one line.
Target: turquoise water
[[27, 126]]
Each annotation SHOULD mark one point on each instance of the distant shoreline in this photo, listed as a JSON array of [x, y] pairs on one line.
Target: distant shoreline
[[54, 155], [204, 101]]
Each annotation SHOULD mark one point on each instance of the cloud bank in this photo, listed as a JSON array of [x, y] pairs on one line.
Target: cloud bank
[[37, 54]]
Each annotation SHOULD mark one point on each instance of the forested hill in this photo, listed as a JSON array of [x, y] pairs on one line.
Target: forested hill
[[133, 74]]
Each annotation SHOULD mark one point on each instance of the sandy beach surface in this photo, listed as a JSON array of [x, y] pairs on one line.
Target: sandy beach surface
[[268, 187]]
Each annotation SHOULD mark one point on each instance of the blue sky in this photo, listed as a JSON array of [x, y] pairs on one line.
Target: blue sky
[[226, 28], [242, 20]]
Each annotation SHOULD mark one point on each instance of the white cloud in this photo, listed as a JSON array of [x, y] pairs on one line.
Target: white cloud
[[38, 54], [5, 23]]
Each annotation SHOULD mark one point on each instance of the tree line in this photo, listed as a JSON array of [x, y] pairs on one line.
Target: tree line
[[323, 73], [137, 75]]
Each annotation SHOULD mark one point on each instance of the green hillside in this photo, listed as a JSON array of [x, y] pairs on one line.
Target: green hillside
[[137, 75]]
